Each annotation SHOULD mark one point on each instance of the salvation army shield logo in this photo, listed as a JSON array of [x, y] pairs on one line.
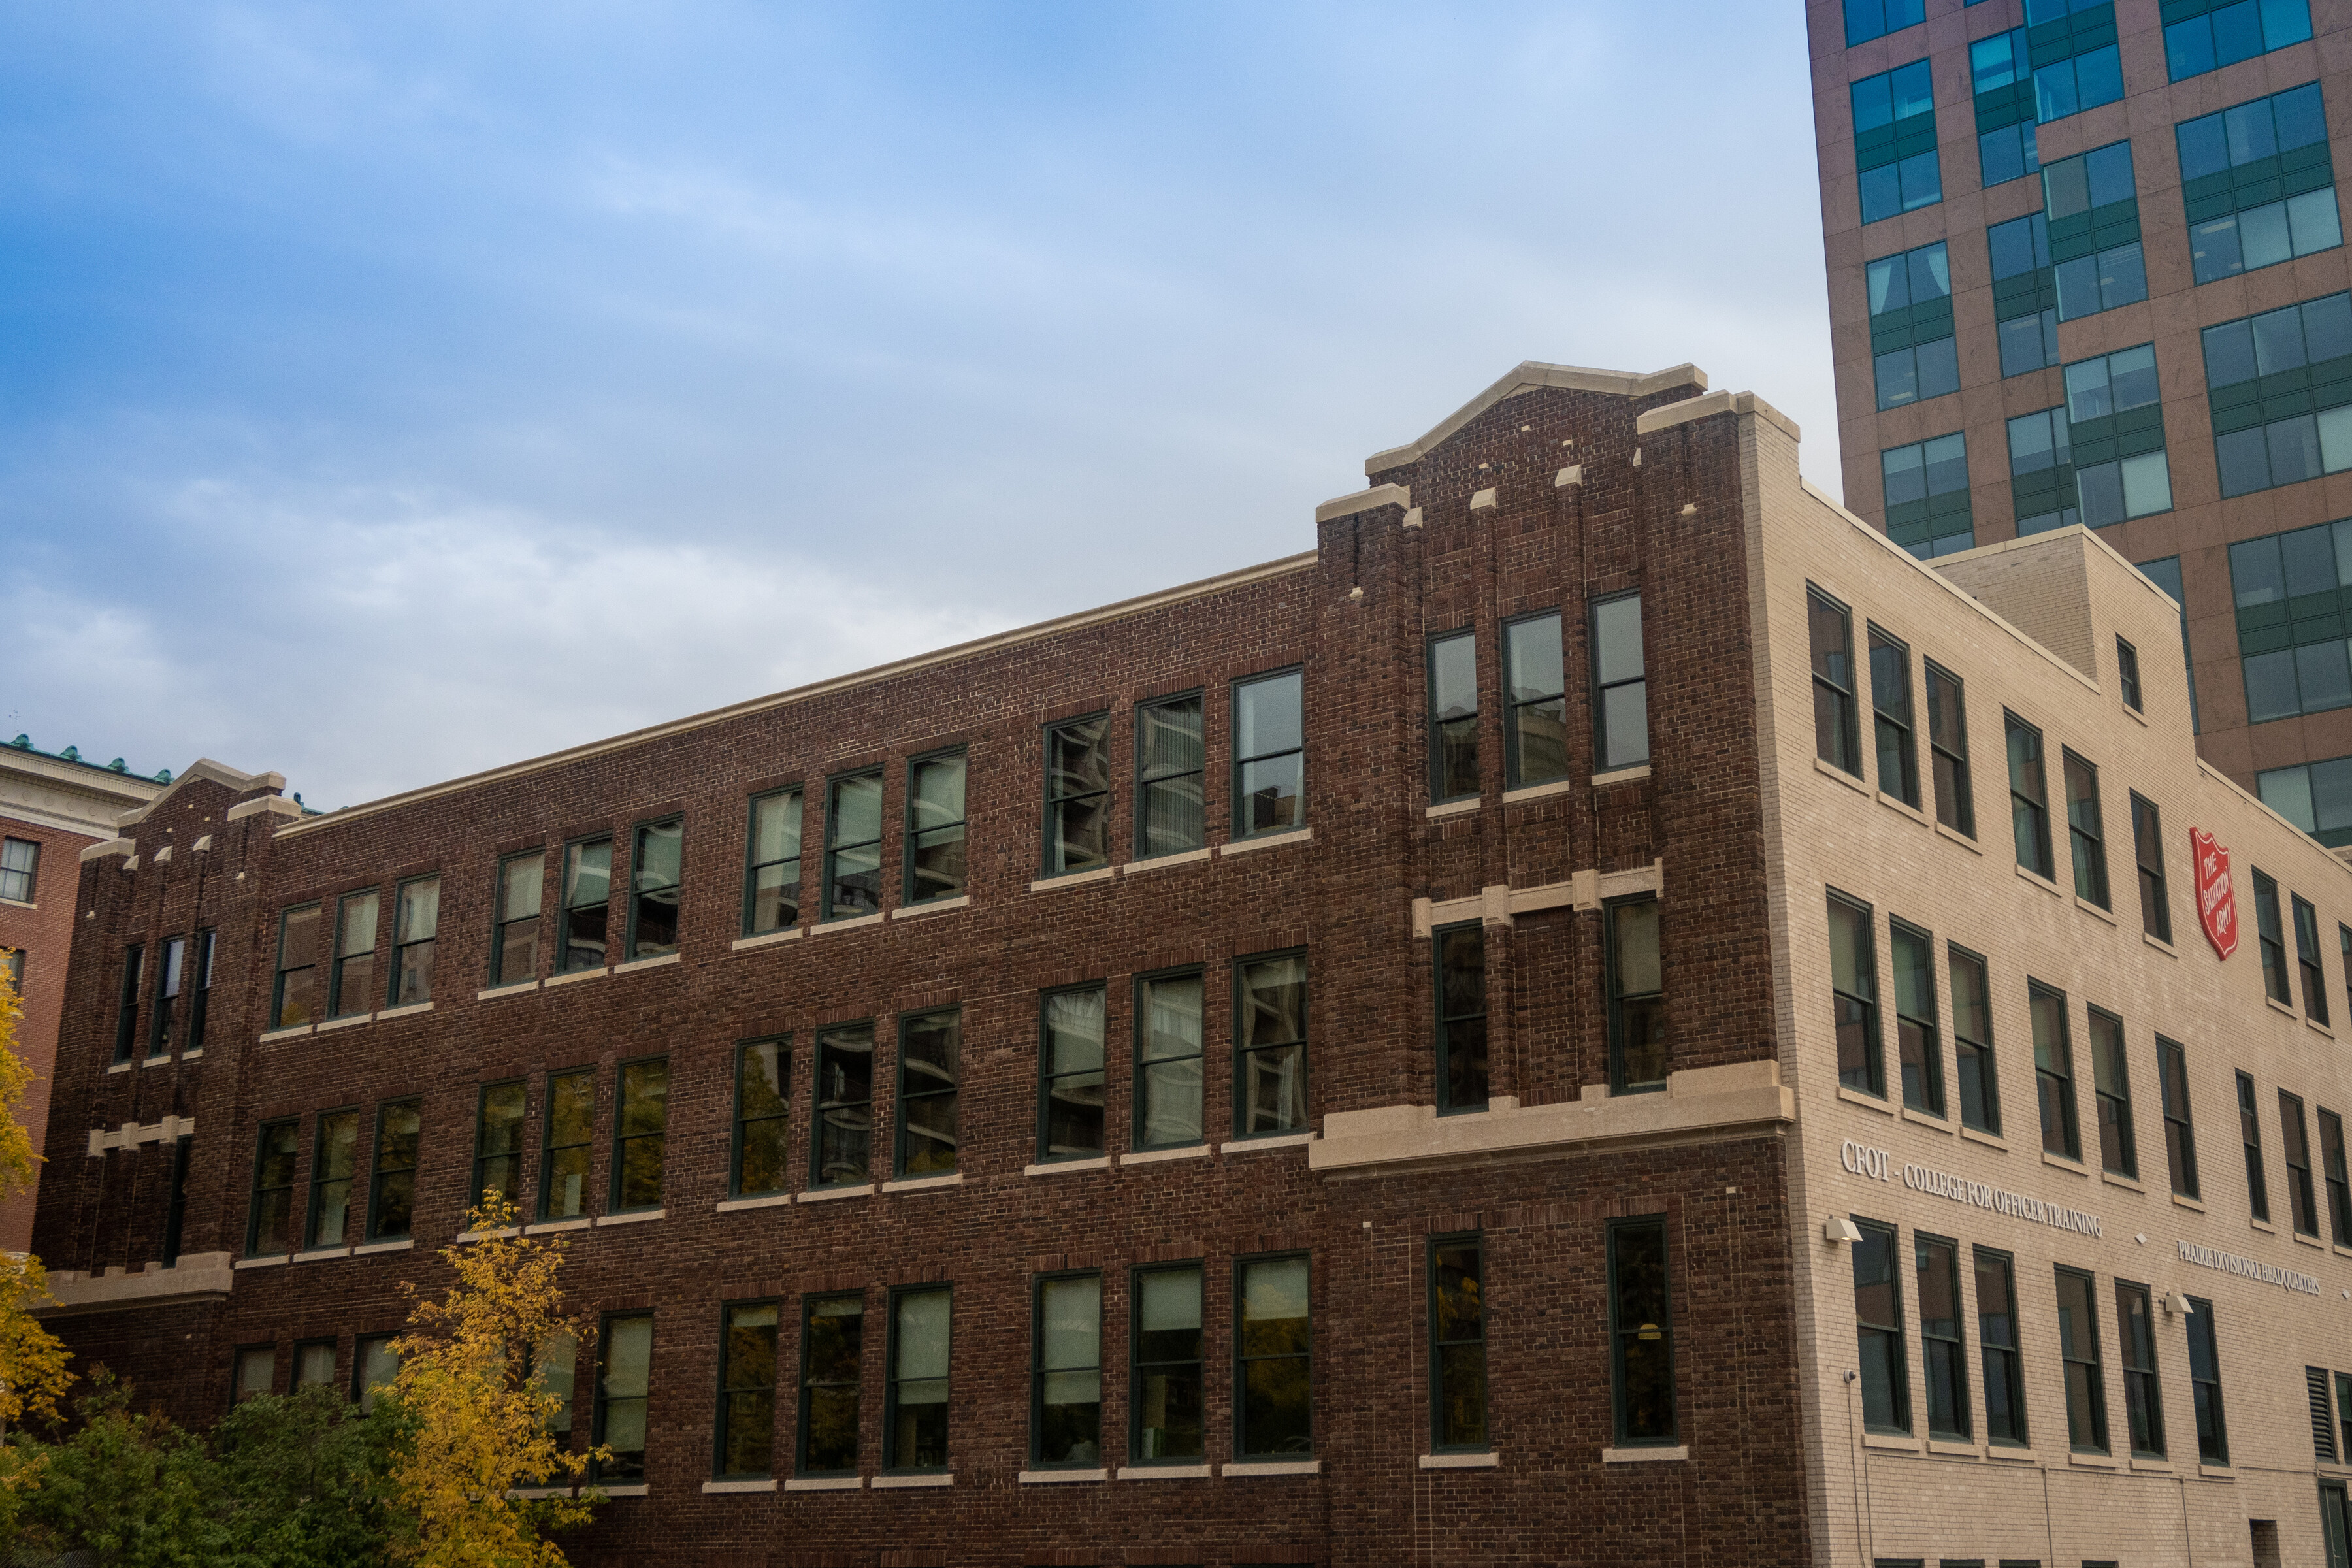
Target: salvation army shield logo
[[2217, 902]]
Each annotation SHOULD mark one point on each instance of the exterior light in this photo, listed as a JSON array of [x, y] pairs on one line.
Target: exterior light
[[1839, 1229]]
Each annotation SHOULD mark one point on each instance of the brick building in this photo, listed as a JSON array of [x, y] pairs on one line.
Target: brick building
[[1386, 1057]]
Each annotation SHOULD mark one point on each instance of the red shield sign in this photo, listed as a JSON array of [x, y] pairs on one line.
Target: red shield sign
[[2217, 903]]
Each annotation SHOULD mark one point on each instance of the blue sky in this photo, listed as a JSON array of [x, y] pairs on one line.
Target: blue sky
[[388, 392]]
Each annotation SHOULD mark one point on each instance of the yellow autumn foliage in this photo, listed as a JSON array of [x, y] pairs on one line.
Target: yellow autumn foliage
[[33, 1371]]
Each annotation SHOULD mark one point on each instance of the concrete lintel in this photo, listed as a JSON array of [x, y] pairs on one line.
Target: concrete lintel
[[1364, 500], [111, 847], [264, 806], [1712, 404]]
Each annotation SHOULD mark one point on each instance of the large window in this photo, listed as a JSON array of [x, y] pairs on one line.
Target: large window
[[1170, 769], [2078, 1352], [1453, 716], [1868, 19], [2293, 650], [1066, 1372], [374, 1366], [1621, 690], [2294, 1136], [587, 905], [2053, 1072], [497, 1141], [2205, 1384], [2279, 387], [2092, 209], [841, 1151], [2029, 796], [2147, 853], [391, 1195], [763, 1118], [20, 861], [747, 1391], [2085, 834], [2041, 472], [2004, 1374], [2200, 35], [2143, 1396], [2271, 937], [2100, 459], [2127, 676], [772, 873], [2340, 1192], [135, 962], [1457, 1345], [1461, 991], [270, 1231], [1535, 735], [205, 943], [1926, 489], [1837, 735], [1272, 1369], [2314, 796], [1917, 1046], [2250, 1137], [1972, 1042], [931, 1068], [1640, 1332], [1269, 755], [640, 1135], [1894, 142], [1942, 1344], [1070, 1074], [2111, 1086], [1077, 795], [1914, 354], [625, 1367], [2306, 960], [2259, 183], [566, 1142], [1167, 1408], [416, 923], [334, 1163], [514, 946], [1270, 1045], [833, 1340], [170, 980], [1638, 1053], [1853, 987], [914, 1421], [2179, 1133], [2001, 82], [353, 987], [296, 998], [1890, 704], [1878, 1323], [1167, 1047], [935, 828], [2024, 292], [655, 866], [1947, 744], [852, 846]]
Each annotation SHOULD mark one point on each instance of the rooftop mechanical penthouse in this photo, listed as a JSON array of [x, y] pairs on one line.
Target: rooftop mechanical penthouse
[[1522, 1035]]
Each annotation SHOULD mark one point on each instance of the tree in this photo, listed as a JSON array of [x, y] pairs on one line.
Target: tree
[[472, 1392], [33, 1371]]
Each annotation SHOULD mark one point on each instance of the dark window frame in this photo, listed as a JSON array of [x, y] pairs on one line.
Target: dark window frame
[[1514, 750], [292, 1185], [1438, 725], [1616, 996], [1444, 1024], [1957, 1354], [2339, 1186], [338, 957], [754, 865], [565, 909], [2094, 1379], [1619, 1426], [621, 1138], [544, 1201], [1047, 1078], [200, 1005], [912, 849], [31, 874], [481, 1126], [398, 965], [1241, 1053], [1844, 701], [1933, 1101], [2250, 1137], [891, 1378], [637, 891], [1052, 839], [1242, 1361], [2306, 957], [817, 1104], [2180, 1128], [1240, 828], [171, 983], [1987, 1065], [1139, 1369], [738, 1120], [1604, 762], [2056, 1080], [1894, 1332], [825, 914], [907, 1095], [723, 1415], [2127, 675], [2143, 1385], [279, 970], [2116, 1102], [2294, 1132], [2148, 856], [802, 1424], [2011, 1354], [1889, 726], [603, 1401], [377, 1171], [320, 1180], [1874, 1064], [1474, 1242], [2086, 835], [1199, 699], [2269, 933], [2028, 813], [1038, 1369], [501, 921], [2201, 1325], [1948, 763], [1138, 1097]]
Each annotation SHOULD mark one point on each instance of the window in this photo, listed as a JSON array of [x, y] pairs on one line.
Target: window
[[2001, 79], [2306, 955], [2200, 35], [12, 966], [2004, 1376], [566, 1145], [271, 1229], [2091, 207], [2053, 1072], [2078, 1349], [935, 828], [1169, 1366], [1168, 1014], [2111, 1084], [2344, 1410], [852, 846], [374, 1366], [2339, 1195], [1947, 744], [916, 1420], [2294, 655], [2165, 572], [1914, 355], [498, 1142], [747, 1391], [2314, 796], [353, 984], [2205, 1384], [1894, 142], [2143, 1401], [1878, 1320], [2085, 833], [1077, 795], [1916, 1049], [2296, 1136], [1269, 751], [167, 995], [655, 865], [1453, 716], [2029, 796], [1066, 1372], [1947, 1352], [2281, 396], [763, 1110], [391, 1191], [771, 874], [1171, 774], [126, 1012], [256, 1373], [1972, 1042], [1070, 1074], [1457, 1345], [203, 1004], [844, 1105], [20, 861], [2024, 291], [2075, 62], [295, 1000], [1270, 1045], [2259, 184], [334, 1162], [1927, 489], [1638, 1054], [832, 1334], [1535, 736], [1890, 702], [2115, 428], [1854, 983], [1868, 19], [2128, 674], [1273, 1372], [1461, 987], [1836, 737], [2041, 472], [930, 1062], [2272, 938], [587, 897], [514, 950], [640, 1133], [314, 1366], [1621, 690], [416, 921], [2250, 1134], [2147, 852], [2318, 1395], [2179, 1135], [555, 1364], [624, 1366], [1640, 1332]]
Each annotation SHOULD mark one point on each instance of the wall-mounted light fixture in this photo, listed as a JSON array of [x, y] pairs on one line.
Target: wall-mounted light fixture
[[1839, 1229]]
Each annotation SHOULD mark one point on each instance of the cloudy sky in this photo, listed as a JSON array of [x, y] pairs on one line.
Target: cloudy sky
[[390, 391]]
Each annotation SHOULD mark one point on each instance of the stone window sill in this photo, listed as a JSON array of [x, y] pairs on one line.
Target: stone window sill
[[1960, 839], [550, 1227], [370, 1248], [1154, 1156], [156, 1062], [2155, 1467], [765, 938], [823, 1195], [1279, 1141], [2014, 1455], [315, 1254], [1153, 863], [413, 1008], [855, 923], [1869, 1101], [2316, 1028], [1644, 1455], [2161, 945], [1073, 878], [2089, 907], [196, 1054], [656, 962], [1990, 1139], [2117, 1179], [1955, 1448], [825, 1484], [1892, 1440], [2310, 1241], [1840, 775], [2275, 1005], [1053, 1477], [2096, 1461], [933, 907], [348, 1021], [1633, 774], [1165, 1473], [552, 980], [1445, 808], [1538, 791], [2187, 1203], [766, 1201], [260, 1262], [712, 1487], [120, 1066], [2217, 1472], [894, 1483], [924, 1184], [508, 1234], [638, 1216], [2266, 1227], [1063, 1167], [1461, 1461], [274, 1035], [1271, 1468], [1927, 1118], [17, 904], [1268, 841], [634, 1488], [512, 988], [1903, 808], [2060, 1162], [2040, 881]]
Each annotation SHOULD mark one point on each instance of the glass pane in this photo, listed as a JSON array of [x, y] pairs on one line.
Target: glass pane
[[1274, 1307], [1169, 1314], [1274, 1001], [628, 1358], [1617, 638], [587, 873], [1069, 1324], [1076, 760], [856, 815], [1171, 1017], [1534, 658], [938, 791], [776, 827], [1074, 1032], [1453, 677], [1625, 725], [519, 883], [923, 1334], [1636, 931], [1169, 739], [1267, 716]]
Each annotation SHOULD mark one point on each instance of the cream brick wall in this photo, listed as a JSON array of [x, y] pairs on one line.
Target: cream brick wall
[[2073, 595]]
